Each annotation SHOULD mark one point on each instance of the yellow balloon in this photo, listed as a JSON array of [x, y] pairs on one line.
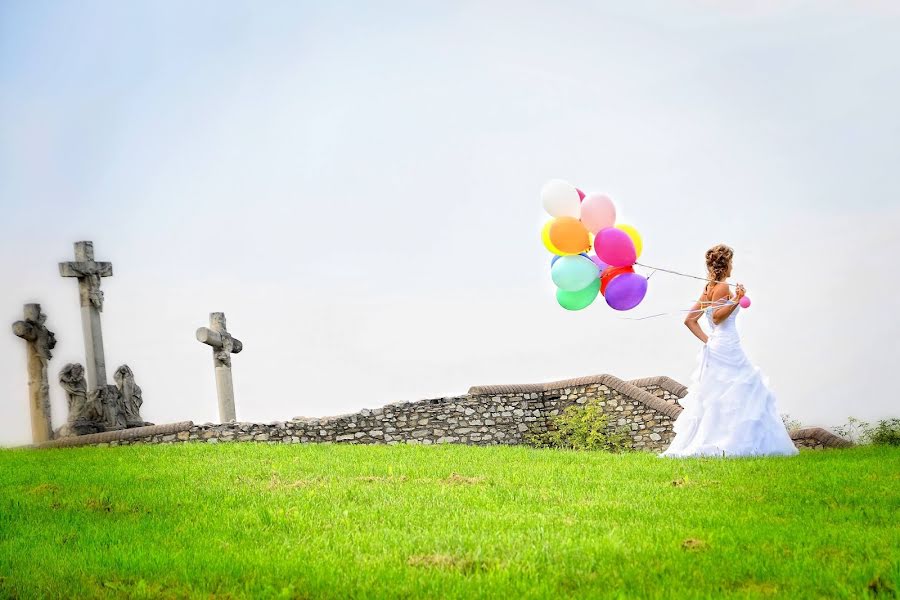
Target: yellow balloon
[[635, 238], [545, 237]]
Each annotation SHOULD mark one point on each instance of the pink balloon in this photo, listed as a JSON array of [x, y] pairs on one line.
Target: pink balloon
[[580, 194], [614, 247], [745, 302], [597, 212]]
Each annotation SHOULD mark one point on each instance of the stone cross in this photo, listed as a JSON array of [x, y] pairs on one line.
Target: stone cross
[[89, 273], [40, 342], [223, 346]]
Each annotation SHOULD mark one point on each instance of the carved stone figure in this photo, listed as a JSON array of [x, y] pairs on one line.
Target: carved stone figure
[[130, 397], [224, 345], [85, 410], [40, 342]]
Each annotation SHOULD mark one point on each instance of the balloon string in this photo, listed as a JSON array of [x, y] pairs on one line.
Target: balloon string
[[717, 304], [682, 274]]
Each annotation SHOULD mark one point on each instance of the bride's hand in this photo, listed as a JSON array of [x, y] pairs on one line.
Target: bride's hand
[[739, 292]]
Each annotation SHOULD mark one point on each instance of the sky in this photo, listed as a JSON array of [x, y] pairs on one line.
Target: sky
[[356, 185]]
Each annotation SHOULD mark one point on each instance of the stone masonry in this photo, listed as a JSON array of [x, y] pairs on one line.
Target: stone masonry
[[487, 415]]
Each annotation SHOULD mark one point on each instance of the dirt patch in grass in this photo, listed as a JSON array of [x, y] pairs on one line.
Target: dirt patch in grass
[[686, 482], [758, 588], [382, 478], [277, 483], [881, 587], [693, 544], [44, 488], [457, 479], [101, 504], [447, 561]]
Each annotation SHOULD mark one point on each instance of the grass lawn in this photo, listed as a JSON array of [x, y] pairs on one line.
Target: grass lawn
[[327, 521]]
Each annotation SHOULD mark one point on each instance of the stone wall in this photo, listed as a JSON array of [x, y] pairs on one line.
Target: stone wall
[[487, 415]]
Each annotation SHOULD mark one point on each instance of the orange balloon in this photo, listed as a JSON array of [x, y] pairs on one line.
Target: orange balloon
[[569, 235], [609, 273]]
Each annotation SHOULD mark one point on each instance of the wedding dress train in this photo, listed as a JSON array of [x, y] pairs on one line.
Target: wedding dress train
[[729, 410]]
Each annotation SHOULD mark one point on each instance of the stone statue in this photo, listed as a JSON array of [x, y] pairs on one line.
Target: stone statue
[[40, 342], [85, 410], [130, 397]]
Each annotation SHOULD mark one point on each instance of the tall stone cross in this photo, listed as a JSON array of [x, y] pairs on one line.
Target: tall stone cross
[[89, 273], [217, 336], [40, 342]]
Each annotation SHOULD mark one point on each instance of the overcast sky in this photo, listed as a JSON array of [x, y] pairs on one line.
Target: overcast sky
[[356, 185]]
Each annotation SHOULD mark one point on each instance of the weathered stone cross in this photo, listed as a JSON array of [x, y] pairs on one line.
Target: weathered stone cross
[[223, 346], [40, 342], [89, 273]]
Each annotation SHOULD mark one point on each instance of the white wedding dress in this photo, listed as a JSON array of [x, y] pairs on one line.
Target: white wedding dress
[[728, 410]]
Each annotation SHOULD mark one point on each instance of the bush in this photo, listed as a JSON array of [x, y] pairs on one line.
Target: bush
[[886, 433], [855, 430], [583, 427]]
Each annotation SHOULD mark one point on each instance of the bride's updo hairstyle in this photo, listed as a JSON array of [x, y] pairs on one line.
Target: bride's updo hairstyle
[[718, 261]]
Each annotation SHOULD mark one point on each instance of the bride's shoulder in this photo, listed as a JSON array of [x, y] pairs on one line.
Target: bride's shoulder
[[717, 292]]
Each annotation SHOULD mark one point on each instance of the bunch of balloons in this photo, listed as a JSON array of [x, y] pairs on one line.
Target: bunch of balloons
[[581, 223]]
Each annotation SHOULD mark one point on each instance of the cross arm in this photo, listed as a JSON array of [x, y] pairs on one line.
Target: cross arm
[[83, 268], [214, 339], [24, 330]]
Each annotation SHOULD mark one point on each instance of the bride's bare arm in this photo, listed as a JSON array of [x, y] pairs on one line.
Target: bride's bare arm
[[692, 320], [720, 294]]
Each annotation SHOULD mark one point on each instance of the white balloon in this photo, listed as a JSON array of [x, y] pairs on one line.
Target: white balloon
[[561, 199]]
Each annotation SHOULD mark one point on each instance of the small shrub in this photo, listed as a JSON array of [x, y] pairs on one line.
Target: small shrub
[[886, 433], [583, 427], [790, 423], [855, 430]]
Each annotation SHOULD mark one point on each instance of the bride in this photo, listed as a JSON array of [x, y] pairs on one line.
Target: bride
[[728, 410]]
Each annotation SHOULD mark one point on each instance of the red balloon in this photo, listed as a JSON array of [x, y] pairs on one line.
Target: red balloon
[[609, 273]]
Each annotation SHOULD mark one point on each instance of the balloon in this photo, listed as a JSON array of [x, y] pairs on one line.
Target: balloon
[[598, 212], [626, 291], [569, 236], [600, 264], [573, 273], [557, 257], [614, 247], [580, 299], [580, 194], [545, 237], [745, 302], [560, 199], [635, 238], [609, 273]]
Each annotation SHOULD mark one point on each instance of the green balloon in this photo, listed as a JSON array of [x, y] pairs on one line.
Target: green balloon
[[580, 299]]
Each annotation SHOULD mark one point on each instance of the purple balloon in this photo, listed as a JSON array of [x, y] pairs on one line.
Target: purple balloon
[[626, 291], [614, 247], [602, 265]]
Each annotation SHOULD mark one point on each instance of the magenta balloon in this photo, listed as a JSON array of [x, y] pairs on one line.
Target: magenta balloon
[[580, 194], [614, 247], [745, 302], [626, 291]]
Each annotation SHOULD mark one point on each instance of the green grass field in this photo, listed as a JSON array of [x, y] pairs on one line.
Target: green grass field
[[310, 521]]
